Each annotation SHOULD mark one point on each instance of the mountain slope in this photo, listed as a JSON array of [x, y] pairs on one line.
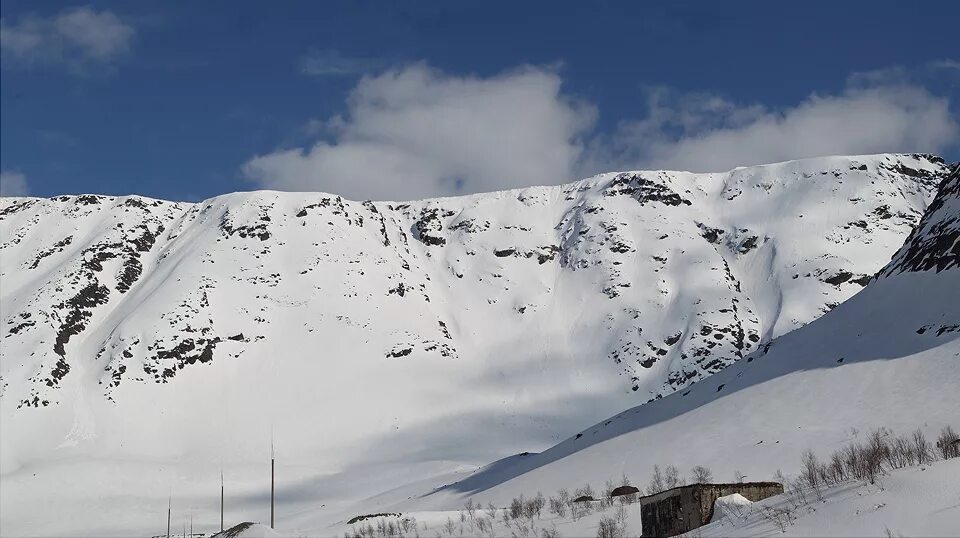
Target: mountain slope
[[887, 357], [379, 343]]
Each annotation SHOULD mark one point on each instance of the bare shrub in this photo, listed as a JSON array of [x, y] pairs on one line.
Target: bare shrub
[[585, 491], [549, 533], [607, 500], [656, 482], [491, 511], [533, 507], [838, 472], [557, 507], [609, 528], [921, 447], [701, 475], [948, 443], [901, 453], [516, 507], [671, 477], [781, 517], [810, 472], [484, 525], [471, 509], [779, 477]]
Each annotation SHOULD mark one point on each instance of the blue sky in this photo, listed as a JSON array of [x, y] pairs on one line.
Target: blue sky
[[402, 100]]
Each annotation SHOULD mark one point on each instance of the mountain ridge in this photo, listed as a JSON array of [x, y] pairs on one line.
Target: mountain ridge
[[379, 344]]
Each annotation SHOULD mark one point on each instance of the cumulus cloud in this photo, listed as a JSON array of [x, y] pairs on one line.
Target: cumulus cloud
[[75, 37], [417, 132], [703, 133], [331, 63], [13, 184]]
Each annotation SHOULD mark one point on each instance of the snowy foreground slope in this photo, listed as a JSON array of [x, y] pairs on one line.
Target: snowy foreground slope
[[922, 500], [914, 501], [145, 342], [887, 357]]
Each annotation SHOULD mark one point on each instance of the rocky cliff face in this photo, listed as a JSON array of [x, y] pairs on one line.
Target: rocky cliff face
[[663, 277]]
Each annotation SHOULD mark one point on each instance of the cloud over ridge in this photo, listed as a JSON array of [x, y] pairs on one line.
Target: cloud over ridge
[[415, 131]]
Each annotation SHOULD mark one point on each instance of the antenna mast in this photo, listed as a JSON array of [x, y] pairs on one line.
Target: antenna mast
[[168, 515]]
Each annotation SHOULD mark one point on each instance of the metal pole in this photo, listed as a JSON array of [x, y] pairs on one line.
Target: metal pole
[[272, 462], [221, 500], [168, 516]]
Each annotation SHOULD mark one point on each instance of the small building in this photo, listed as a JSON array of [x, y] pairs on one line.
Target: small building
[[685, 508]]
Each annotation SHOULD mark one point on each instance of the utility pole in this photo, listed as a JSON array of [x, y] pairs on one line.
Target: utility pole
[[221, 499], [272, 466], [168, 515]]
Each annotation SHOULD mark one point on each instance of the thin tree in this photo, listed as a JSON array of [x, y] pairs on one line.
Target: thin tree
[[168, 515]]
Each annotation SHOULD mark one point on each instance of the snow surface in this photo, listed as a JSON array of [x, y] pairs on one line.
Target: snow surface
[[914, 501], [730, 506], [248, 530], [391, 348]]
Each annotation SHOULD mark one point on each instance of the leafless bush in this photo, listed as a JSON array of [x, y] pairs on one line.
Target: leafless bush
[[491, 511], [558, 505], [921, 447], [533, 507], [549, 533], [471, 509], [656, 482], [484, 525], [606, 501], [948, 443], [779, 477], [701, 475], [516, 507], [890, 534], [781, 517], [671, 477], [838, 472], [449, 527], [621, 517], [810, 472], [610, 528], [580, 509], [797, 492]]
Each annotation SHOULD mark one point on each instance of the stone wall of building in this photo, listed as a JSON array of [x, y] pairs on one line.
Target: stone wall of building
[[685, 508]]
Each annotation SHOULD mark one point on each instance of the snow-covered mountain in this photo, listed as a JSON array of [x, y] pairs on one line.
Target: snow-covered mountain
[[888, 357], [379, 343]]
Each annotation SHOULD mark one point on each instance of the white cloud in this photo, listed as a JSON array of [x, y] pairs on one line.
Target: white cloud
[[330, 63], [416, 132], [706, 133], [75, 37], [13, 184]]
